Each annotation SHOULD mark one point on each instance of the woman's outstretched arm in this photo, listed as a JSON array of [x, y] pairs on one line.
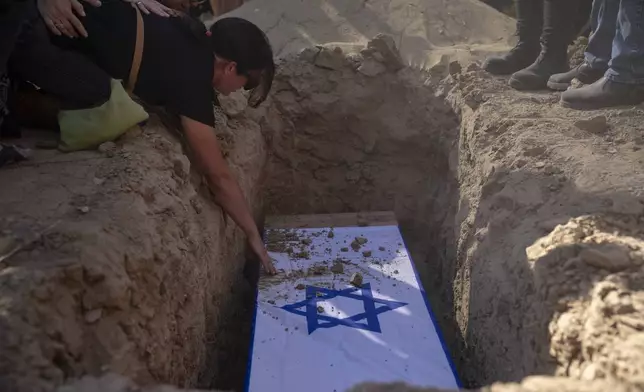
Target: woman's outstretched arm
[[228, 195]]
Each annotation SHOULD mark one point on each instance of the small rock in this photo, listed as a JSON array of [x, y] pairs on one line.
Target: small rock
[[454, 68], [344, 249], [378, 56], [539, 164], [300, 287], [309, 53], [366, 253], [331, 234], [356, 280], [107, 148], [98, 181], [307, 241], [221, 120], [303, 255], [329, 59], [83, 209], [550, 224], [233, 104], [354, 60], [590, 372], [396, 272], [612, 151], [337, 268], [606, 256], [355, 245], [270, 301], [361, 240], [317, 270], [596, 125], [381, 248], [93, 315], [371, 68], [472, 67], [320, 309], [555, 187], [386, 46]]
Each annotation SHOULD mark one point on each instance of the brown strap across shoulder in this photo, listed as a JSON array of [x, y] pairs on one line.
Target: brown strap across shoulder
[[138, 53]]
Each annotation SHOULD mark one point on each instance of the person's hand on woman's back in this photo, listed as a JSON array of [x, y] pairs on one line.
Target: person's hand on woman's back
[[61, 16], [147, 6]]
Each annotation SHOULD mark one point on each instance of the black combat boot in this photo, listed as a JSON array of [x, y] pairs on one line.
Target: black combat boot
[[558, 32], [604, 93], [529, 25], [583, 72]]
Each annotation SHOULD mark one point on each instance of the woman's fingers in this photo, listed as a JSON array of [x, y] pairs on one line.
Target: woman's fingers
[[95, 3], [66, 27], [151, 6], [271, 268], [76, 23], [268, 264], [78, 7], [61, 17], [142, 7], [257, 245], [52, 27]]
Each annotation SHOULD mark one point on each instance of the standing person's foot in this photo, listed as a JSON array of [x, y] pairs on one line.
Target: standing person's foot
[[603, 93], [518, 58], [583, 72], [535, 77]]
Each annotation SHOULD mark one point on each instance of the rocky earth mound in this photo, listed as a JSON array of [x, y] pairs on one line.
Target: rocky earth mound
[[526, 221], [118, 261]]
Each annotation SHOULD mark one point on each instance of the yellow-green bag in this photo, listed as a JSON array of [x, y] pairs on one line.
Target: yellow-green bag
[[87, 128]]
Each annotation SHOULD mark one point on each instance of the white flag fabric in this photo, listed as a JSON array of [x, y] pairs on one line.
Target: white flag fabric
[[346, 308]]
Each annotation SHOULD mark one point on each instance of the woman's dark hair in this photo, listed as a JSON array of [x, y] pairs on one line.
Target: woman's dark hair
[[238, 40]]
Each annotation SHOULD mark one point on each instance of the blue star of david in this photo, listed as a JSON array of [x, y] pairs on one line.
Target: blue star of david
[[315, 320]]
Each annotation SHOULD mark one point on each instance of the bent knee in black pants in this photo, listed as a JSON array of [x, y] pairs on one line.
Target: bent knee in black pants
[[69, 76]]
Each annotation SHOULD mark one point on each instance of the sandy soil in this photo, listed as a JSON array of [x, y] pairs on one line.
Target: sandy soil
[[426, 31], [524, 218], [132, 269]]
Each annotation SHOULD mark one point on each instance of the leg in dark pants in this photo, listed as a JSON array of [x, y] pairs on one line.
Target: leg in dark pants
[[529, 25], [558, 33], [70, 77], [13, 17], [623, 83], [598, 51]]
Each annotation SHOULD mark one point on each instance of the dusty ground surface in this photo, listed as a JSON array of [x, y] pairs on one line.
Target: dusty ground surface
[[425, 31], [524, 218]]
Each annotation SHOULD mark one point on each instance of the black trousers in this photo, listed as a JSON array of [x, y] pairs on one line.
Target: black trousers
[[28, 55], [69, 76]]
